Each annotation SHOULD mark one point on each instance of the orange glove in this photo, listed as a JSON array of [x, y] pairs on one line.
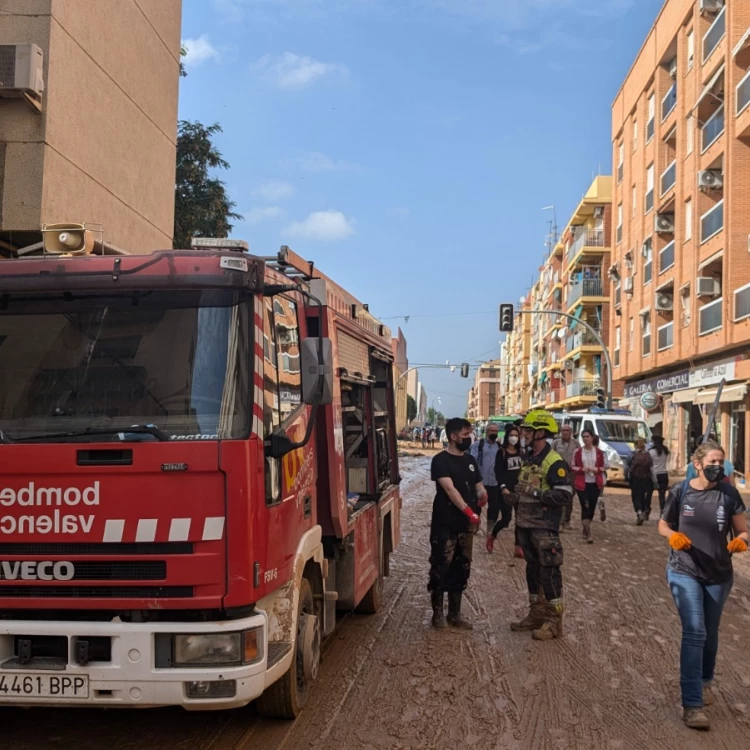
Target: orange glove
[[680, 542], [737, 545]]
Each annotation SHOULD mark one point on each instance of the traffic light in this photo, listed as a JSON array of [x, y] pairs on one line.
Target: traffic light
[[601, 400], [506, 318], [465, 370]]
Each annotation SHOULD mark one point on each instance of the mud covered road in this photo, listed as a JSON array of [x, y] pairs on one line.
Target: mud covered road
[[389, 681]]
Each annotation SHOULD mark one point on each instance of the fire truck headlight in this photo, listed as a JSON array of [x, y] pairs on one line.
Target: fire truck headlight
[[208, 650]]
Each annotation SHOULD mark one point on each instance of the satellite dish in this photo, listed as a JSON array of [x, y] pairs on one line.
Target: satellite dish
[[562, 332]]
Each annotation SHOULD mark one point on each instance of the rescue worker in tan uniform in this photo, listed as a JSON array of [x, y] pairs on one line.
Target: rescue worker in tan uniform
[[543, 490]]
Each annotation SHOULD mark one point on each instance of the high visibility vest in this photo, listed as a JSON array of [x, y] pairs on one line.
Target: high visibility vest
[[531, 514]]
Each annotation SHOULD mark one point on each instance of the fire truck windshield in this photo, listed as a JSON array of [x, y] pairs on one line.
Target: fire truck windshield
[[179, 361]]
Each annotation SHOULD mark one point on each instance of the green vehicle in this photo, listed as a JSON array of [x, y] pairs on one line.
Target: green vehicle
[[501, 421]]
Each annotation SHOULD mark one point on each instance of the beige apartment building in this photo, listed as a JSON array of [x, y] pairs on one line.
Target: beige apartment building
[[518, 357], [102, 148], [400, 378], [485, 395], [681, 244]]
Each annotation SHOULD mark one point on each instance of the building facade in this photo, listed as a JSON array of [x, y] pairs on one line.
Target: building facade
[[680, 262], [400, 385], [485, 395], [102, 149], [416, 390]]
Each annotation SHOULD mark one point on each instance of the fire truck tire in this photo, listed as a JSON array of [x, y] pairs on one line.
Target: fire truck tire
[[286, 698], [372, 601]]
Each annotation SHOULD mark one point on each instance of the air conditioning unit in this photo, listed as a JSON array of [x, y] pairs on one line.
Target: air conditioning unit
[[710, 179], [598, 212], [711, 6], [673, 68], [627, 284], [21, 70], [664, 302], [707, 286], [664, 223]]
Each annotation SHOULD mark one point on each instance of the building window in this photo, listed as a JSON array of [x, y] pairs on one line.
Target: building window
[[617, 346], [742, 303], [649, 187], [647, 251], [635, 135], [621, 162], [631, 334], [690, 134], [619, 223], [634, 199], [651, 116], [690, 49], [688, 219], [685, 305], [646, 326]]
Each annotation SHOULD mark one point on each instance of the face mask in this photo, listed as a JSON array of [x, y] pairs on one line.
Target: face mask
[[492, 437], [513, 440], [464, 445], [713, 472]]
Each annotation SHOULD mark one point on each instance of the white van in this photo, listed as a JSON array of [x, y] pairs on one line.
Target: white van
[[617, 435]]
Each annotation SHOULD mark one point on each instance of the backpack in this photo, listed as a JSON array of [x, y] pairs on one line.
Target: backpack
[[721, 486], [640, 465]]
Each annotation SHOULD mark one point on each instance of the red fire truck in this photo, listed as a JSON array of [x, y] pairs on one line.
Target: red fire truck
[[198, 474]]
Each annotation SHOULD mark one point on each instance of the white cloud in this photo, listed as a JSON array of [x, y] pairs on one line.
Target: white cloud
[[258, 215], [290, 71], [199, 51], [274, 190], [317, 162], [327, 226]]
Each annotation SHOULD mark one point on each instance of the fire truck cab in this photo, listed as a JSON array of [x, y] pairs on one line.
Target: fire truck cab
[[198, 474]]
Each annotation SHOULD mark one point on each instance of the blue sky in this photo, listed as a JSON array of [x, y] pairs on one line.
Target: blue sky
[[409, 146]]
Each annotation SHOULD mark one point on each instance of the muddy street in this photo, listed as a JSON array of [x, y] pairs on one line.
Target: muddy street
[[390, 681]]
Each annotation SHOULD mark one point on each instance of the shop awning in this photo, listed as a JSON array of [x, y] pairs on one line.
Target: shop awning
[[730, 393], [685, 396], [578, 312]]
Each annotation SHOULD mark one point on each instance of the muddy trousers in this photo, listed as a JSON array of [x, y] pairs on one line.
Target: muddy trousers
[[450, 560], [543, 553]]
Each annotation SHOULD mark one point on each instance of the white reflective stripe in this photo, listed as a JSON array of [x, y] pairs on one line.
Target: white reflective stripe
[[258, 365], [113, 530], [146, 530], [179, 530], [213, 529], [256, 426]]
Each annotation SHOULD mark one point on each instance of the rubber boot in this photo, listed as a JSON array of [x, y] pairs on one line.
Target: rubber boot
[[534, 619], [553, 622], [455, 620], [587, 531], [438, 613], [695, 718]]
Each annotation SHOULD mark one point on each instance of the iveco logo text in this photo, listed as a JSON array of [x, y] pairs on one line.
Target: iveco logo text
[[37, 571]]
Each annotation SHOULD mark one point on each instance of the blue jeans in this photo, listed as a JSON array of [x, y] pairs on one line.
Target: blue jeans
[[700, 606]]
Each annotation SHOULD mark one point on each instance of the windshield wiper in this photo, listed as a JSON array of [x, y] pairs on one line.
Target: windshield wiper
[[138, 429]]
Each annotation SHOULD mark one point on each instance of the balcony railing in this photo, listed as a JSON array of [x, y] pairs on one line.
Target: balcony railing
[[581, 338], [712, 222], [586, 238], [582, 387], [743, 93], [709, 317], [665, 336], [669, 177], [666, 257], [714, 34], [713, 128], [669, 102], [585, 288]]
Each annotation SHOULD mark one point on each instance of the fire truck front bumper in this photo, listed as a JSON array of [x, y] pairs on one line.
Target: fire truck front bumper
[[199, 666]]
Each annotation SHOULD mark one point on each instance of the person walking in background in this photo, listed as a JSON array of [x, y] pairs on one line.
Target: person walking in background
[[602, 509], [698, 517], [588, 480], [486, 452], [459, 498], [566, 446], [660, 473], [640, 480], [507, 468]]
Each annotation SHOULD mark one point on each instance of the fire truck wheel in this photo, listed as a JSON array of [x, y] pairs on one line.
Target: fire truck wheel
[[286, 698], [373, 599]]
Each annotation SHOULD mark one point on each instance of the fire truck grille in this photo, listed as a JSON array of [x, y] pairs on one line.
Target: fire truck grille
[[65, 550], [118, 571], [96, 592]]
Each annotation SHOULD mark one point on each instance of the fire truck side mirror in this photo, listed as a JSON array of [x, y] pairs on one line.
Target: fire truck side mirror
[[313, 371]]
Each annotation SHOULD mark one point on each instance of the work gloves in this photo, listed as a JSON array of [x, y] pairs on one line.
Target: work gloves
[[679, 542], [737, 545]]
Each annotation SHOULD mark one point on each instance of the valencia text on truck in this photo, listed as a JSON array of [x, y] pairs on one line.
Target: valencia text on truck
[[199, 475]]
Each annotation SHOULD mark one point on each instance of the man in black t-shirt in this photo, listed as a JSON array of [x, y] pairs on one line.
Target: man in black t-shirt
[[459, 498]]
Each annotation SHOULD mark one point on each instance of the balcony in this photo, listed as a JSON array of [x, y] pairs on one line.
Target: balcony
[[713, 128], [579, 339], [586, 238], [582, 388], [666, 257], [668, 178], [709, 317], [665, 336], [712, 222], [714, 34], [669, 102], [585, 288], [743, 93]]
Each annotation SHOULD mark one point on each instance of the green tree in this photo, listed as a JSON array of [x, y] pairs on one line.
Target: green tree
[[435, 417], [202, 206], [411, 409]]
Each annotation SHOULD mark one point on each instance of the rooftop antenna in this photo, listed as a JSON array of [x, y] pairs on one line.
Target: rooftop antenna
[[551, 240]]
